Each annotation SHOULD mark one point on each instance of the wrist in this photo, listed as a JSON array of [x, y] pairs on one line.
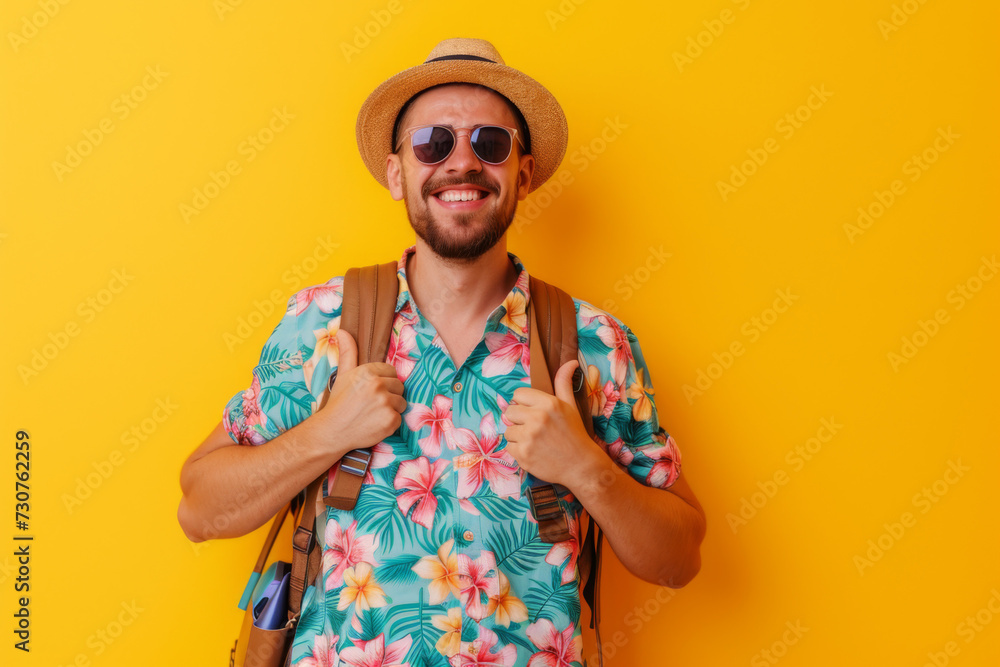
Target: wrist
[[593, 472], [316, 442]]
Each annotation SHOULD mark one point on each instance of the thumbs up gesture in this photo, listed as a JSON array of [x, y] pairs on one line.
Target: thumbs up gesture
[[364, 405], [545, 434]]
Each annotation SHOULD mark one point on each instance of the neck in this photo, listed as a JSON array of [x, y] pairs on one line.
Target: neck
[[459, 291]]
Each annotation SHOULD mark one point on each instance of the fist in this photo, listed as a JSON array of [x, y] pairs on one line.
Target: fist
[[365, 403]]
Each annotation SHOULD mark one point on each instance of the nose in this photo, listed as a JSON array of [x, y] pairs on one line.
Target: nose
[[463, 159]]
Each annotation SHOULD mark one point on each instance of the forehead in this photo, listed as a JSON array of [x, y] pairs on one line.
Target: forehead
[[459, 105]]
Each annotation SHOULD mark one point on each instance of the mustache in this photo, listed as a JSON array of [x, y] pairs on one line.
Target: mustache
[[471, 179]]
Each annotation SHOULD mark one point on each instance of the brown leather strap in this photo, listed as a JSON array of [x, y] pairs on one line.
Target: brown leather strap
[[561, 346], [560, 339], [306, 557], [552, 518], [265, 551], [367, 313]]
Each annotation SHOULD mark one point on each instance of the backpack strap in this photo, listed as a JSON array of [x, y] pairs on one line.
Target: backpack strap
[[552, 342], [367, 313], [306, 557], [553, 320]]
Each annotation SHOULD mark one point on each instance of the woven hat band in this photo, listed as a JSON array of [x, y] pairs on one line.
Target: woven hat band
[[459, 57]]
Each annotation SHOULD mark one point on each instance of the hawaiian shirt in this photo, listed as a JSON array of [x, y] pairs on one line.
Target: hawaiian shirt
[[440, 562]]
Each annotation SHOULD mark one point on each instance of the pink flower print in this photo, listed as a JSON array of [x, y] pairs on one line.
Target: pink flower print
[[482, 460], [620, 453], [400, 345], [668, 461], [418, 477], [479, 652], [438, 417], [567, 549], [375, 653], [506, 350], [614, 337], [558, 649], [382, 455], [588, 313], [346, 550], [324, 652], [502, 404], [478, 583], [328, 297], [253, 414]]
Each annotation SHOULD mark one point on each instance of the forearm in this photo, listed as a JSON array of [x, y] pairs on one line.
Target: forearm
[[234, 490], [655, 533]]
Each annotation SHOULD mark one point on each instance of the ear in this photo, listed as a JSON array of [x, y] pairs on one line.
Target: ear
[[393, 174], [526, 168]]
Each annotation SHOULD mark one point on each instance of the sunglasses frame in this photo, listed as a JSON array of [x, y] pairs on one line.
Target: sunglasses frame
[[512, 131]]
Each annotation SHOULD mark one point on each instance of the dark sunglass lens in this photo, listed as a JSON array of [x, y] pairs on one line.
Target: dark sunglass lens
[[432, 144], [492, 144]]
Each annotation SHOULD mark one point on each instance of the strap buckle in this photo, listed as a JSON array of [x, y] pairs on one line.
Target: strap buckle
[[356, 462], [544, 502], [310, 540]]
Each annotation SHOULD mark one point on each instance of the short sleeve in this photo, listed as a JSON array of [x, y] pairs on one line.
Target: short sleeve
[[278, 397], [626, 422]]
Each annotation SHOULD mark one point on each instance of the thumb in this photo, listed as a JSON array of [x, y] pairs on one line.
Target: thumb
[[563, 383], [347, 351]]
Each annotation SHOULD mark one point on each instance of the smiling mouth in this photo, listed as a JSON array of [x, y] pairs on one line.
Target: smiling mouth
[[461, 195]]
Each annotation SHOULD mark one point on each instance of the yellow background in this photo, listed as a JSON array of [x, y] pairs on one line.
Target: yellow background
[[682, 130]]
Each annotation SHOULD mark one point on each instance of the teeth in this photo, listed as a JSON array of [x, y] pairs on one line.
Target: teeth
[[460, 195]]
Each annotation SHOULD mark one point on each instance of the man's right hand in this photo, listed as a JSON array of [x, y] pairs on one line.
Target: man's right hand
[[366, 403]]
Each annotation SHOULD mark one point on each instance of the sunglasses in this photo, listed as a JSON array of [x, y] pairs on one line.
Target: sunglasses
[[434, 143]]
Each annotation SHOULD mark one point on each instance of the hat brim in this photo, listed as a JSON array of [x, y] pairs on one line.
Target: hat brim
[[542, 112]]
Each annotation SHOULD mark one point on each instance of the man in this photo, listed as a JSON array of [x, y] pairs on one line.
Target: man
[[440, 561]]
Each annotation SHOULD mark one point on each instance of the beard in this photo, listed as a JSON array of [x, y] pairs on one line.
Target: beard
[[470, 234]]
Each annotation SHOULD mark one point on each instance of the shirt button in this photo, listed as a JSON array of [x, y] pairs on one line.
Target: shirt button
[[457, 386], [468, 536]]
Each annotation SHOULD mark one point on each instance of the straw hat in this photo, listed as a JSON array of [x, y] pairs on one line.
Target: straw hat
[[468, 61]]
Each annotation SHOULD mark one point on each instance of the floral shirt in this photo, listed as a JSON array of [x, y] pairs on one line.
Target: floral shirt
[[440, 562]]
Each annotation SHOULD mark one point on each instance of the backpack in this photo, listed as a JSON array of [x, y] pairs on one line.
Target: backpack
[[367, 313]]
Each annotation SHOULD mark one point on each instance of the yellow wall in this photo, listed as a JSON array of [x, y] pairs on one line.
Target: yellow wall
[[687, 93]]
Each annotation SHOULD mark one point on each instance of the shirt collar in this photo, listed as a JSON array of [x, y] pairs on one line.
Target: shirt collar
[[511, 313]]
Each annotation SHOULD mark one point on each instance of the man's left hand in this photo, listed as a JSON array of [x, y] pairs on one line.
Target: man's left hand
[[545, 434]]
